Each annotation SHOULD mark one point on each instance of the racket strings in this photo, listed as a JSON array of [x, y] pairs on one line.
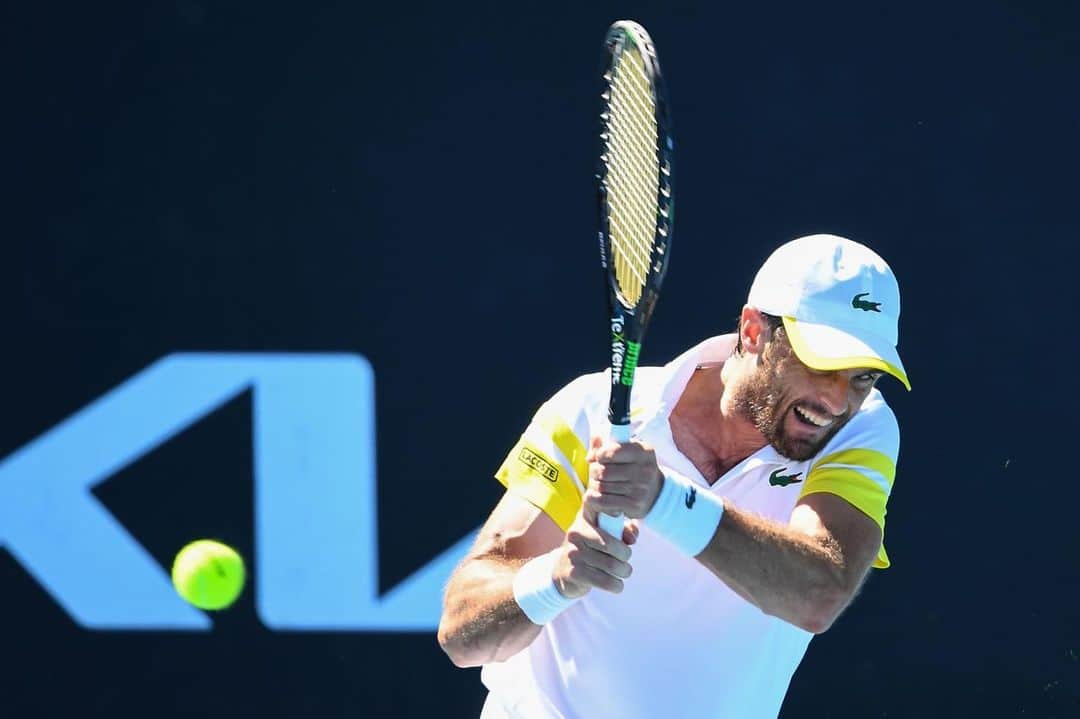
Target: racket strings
[[633, 173]]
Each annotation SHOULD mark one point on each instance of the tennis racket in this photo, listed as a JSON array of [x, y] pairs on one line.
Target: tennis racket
[[636, 208]]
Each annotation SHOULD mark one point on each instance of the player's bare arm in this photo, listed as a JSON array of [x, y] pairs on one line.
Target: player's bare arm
[[481, 620], [805, 572]]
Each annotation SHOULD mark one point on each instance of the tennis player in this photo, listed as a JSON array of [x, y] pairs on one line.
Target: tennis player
[[755, 489]]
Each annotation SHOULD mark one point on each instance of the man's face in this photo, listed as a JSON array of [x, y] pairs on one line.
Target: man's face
[[799, 409]]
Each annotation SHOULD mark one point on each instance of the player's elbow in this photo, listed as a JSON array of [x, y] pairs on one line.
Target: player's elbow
[[817, 623], [452, 642], [465, 648], [822, 608], [455, 650]]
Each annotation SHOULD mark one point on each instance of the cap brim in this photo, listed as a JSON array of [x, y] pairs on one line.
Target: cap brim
[[824, 347]]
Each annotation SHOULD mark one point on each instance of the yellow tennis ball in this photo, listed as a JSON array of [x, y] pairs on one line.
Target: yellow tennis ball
[[208, 574]]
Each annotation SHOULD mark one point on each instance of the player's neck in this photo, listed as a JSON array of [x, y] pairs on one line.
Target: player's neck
[[709, 432]]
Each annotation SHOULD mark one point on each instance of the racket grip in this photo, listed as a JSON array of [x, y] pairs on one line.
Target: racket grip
[[620, 433], [610, 523]]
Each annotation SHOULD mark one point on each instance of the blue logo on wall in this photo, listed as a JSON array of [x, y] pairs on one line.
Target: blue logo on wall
[[315, 513]]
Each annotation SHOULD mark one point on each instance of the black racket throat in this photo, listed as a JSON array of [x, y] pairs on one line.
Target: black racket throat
[[627, 331]]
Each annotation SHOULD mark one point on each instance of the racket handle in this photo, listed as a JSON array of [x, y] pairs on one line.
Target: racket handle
[[613, 524]]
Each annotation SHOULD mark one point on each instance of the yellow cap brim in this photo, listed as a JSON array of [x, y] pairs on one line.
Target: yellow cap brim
[[860, 353]]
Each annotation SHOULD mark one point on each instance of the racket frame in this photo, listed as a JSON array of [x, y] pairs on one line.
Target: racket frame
[[626, 323]]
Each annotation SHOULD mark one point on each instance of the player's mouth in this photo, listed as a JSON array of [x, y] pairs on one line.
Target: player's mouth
[[811, 418]]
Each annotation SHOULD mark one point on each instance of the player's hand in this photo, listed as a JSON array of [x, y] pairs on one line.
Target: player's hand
[[590, 557], [623, 478]]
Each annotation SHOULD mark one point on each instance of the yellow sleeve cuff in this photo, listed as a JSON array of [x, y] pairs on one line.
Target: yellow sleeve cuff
[[861, 477], [537, 469]]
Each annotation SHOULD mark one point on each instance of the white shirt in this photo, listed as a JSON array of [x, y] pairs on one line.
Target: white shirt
[[677, 642]]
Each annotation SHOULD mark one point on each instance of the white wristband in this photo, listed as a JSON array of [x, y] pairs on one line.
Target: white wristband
[[685, 514], [535, 590]]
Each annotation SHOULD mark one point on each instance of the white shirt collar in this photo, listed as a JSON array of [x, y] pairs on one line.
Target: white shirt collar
[[675, 376], [679, 370]]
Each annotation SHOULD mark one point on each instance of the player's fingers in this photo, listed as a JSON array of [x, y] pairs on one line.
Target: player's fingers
[[629, 453], [590, 515], [587, 555], [599, 569], [613, 485], [603, 449], [613, 547], [615, 472], [604, 562], [594, 445], [596, 578], [607, 503], [631, 530], [587, 537], [613, 568]]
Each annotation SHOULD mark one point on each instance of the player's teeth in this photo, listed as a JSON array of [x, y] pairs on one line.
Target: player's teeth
[[813, 418]]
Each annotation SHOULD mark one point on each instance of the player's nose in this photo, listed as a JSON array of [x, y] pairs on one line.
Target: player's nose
[[833, 393]]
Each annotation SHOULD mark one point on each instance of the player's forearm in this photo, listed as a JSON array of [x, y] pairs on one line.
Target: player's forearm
[[481, 623], [785, 573]]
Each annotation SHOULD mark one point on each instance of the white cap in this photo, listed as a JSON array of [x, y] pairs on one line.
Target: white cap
[[839, 300]]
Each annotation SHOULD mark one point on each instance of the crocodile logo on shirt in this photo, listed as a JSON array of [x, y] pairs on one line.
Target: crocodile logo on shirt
[[782, 480], [865, 305]]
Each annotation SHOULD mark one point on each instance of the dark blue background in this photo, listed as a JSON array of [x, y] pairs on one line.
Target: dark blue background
[[413, 182]]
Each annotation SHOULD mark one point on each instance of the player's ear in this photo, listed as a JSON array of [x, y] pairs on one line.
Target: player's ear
[[753, 330]]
